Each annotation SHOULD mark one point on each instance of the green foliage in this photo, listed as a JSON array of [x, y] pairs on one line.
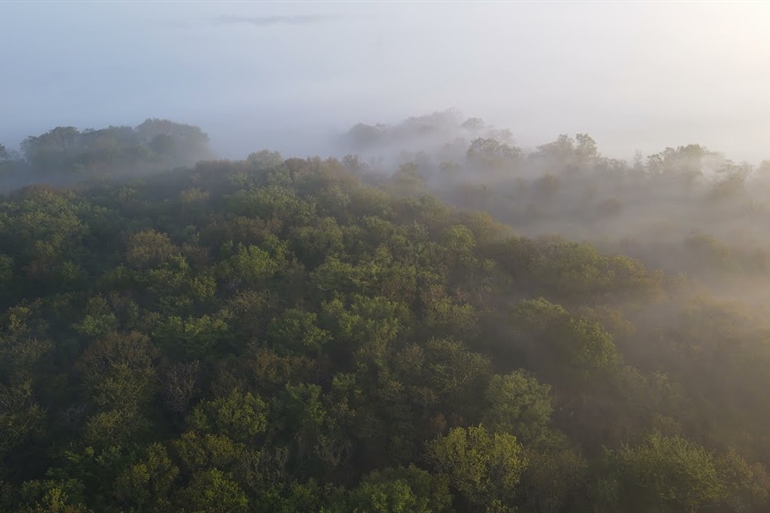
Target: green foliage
[[276, 335], [520, 405], [99, 319], [455, 374], [149, 248], [147, 485], [747, 486], [665, 474], [155, 144], [20, 416], [481, 466], [212, 490], [402, 489], [296, 331], [193, 337], [250, 265], [55, 500], [119, 370], [205, 451], [558, 343], [240, 416]]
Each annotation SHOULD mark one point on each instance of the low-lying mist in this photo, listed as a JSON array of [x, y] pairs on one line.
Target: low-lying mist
[[415, 283], [687, 209]]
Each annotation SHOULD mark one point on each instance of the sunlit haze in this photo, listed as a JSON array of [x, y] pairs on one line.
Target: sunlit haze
[[634, 75]]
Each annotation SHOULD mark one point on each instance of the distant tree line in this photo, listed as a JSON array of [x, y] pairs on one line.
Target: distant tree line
[[66, 154]]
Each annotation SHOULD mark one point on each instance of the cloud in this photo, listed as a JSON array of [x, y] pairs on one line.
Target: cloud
[[268, 21]]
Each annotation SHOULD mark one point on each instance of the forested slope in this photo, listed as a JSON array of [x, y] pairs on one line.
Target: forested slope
[[282, 335]]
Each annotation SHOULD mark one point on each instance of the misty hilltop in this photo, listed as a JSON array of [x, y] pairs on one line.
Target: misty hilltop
[[683, 209], [384, 257], [68, 155]]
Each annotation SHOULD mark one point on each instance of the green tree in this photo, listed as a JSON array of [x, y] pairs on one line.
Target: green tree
[[482, 467], [149, 248], [747, 486], [520, 405], [119, 370], [193, 337], [492, 155], [401, 489], [240, 416], [249, 265], [457, 376], [296, 331], [667, 474], [21, 417], [147, 485], [212, 490]]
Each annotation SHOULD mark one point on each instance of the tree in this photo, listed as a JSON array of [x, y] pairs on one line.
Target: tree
[[571, 349], [190, 141], [202, 452], [296, 331], [302, 414], [10, 164], [456, 375], [21, 417], [180, 384], [148, 484], [119, 370], [212, 490], [586, 147], [248, 266], [408, 180], [53, 150], [240, 416], [162, 145], [518, 404], [193, 337], [559, 152], [149, 248], [56, 500], [99, 319], [747, 486], [265, 159], [482, 467], [492, 155], [666, 474], [401, 490]]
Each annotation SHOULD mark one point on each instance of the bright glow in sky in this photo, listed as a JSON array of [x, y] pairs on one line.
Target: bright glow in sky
[[634, 75]]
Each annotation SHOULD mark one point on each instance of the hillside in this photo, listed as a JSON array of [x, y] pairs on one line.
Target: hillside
[[319, 335]]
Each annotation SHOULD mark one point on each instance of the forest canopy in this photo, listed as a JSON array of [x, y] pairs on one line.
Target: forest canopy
[[362, 335], [66, 154]]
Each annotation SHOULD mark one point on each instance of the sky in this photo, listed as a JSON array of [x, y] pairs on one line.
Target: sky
[[288, 75]]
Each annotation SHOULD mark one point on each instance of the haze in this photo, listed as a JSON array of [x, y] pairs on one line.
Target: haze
[[286, 76]]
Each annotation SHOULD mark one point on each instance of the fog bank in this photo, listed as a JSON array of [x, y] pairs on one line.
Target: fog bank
[[636, 76]]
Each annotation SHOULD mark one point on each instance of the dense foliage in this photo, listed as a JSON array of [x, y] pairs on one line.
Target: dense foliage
[[285, 335], [65, 154]]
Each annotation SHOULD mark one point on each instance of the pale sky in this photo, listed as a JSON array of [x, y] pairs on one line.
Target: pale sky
[[285, 75]]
